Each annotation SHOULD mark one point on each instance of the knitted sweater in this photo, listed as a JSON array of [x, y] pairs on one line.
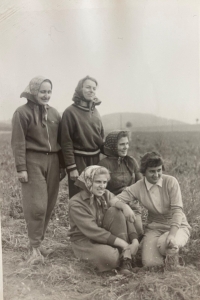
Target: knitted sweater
[[82, 134], [170, 197]]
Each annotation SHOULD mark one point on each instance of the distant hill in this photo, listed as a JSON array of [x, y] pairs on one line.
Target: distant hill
[[5, 126], [138, 122], [144, 122]]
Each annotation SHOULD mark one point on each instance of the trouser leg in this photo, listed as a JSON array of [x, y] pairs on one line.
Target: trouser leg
[[73, 189], [34, 198], [52, 179], [115, 222], [151, 255], [103, 257]]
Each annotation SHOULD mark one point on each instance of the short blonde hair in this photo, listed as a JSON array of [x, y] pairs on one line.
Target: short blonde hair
[[104, 171]]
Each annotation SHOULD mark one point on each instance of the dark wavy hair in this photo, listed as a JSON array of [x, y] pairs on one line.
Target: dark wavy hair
[[151, 160]]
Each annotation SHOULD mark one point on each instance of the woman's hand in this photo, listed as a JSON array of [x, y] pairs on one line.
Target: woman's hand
[[170, 241], [121, 243], [134, 247], [22, 176], [128, 213], [74, 175]]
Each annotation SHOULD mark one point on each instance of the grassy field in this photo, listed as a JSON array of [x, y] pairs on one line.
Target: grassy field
[[62, 276]]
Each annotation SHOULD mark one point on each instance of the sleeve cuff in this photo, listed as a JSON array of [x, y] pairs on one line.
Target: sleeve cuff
[[133, 236], [21, 168], [71, 168], [111, 240]]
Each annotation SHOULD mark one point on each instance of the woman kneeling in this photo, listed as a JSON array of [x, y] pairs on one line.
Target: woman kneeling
[[102, 230]]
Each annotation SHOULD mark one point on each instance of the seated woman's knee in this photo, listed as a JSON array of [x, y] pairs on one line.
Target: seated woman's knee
[[108, 260], [115, 212], [153, 261]]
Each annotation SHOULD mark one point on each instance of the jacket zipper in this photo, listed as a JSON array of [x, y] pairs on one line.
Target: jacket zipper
[[48, 131]]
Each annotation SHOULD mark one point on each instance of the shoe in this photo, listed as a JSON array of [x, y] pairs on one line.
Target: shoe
[[45, 251], [35, 257], [172, 258], [125, 268]]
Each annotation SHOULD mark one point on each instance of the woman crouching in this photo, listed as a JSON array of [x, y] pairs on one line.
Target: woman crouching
[[102, 230], [167, 229]]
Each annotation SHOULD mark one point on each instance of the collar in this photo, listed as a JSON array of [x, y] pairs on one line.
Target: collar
[[85, 195], [149, 185], [33, 104], [81, 107]]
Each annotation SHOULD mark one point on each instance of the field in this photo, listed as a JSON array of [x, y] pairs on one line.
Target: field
[[62, 276]]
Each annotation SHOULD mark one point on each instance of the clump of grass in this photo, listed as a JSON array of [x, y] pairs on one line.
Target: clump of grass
[[181, 285]]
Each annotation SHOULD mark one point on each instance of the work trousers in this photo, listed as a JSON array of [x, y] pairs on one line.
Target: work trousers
[[40, 193], [81, 162], [154, 243], [106, 257]]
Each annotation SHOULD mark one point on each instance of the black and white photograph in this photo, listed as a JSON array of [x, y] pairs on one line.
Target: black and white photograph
[[100, 150]]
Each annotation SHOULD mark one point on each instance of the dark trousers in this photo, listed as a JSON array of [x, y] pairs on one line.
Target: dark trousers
[[40, 193], [81, 162], [106, 257]]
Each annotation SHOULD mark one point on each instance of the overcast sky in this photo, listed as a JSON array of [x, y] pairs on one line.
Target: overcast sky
[[144, 54]]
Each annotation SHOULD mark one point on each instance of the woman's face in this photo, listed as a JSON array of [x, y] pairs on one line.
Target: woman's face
[[44, 93], [99, 184], [89, 89], [122, 146], [153, 174]]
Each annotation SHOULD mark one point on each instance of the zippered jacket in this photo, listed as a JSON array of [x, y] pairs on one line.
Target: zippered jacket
[[82, 134], [27, 135]]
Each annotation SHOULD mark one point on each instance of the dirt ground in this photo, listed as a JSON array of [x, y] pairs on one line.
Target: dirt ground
[[19, 285]]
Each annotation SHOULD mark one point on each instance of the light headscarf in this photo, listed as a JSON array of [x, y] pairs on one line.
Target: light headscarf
[[30, 93], [78, 94], [85, 182]]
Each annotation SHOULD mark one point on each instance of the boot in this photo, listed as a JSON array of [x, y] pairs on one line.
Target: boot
[[35, 257], [172, 258], [125, 267], [46, 251]]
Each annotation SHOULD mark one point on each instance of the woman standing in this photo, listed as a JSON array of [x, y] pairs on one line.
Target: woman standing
[[35, 131], [102, 230], [82, 131], [167, 228], [124, 169]]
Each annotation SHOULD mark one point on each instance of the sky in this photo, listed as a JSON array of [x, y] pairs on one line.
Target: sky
[[144, 54]]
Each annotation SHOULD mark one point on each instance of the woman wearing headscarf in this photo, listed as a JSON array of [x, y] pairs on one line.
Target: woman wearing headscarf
[[101, 230], [123, 168], [35, 133], [82, 131]]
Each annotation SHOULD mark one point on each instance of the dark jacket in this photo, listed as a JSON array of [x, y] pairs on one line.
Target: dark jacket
[[27, 135], [123, 171], [82, 134]]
